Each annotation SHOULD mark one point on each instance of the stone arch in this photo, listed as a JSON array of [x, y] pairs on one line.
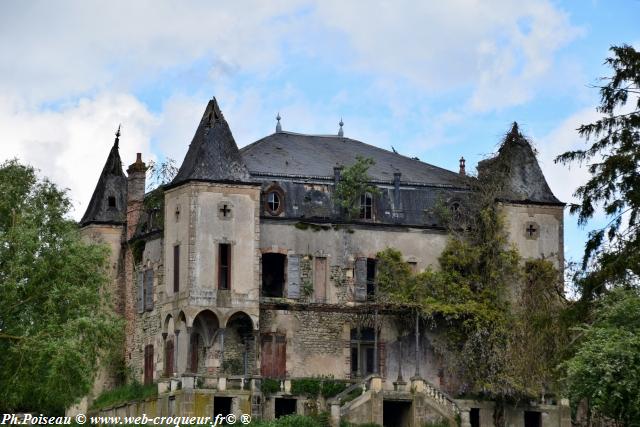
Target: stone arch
[[239, 356]]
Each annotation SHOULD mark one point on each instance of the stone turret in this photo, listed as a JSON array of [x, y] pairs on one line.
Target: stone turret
[[109, 200], [213, 154]]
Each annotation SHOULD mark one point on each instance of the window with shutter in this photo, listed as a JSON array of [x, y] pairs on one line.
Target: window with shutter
[[148, 290], [140, 291], [360, 293], [293, 276]]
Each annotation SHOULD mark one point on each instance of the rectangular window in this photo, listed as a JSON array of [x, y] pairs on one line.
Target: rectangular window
[[224, 266], [176, 268]]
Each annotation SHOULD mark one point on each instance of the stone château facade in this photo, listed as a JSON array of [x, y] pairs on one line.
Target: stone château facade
[[244, 268]]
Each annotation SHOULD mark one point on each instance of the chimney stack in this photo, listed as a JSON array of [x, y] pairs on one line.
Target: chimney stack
[[462, 169], [135, 193]]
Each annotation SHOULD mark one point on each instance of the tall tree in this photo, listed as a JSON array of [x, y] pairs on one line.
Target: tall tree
[[612, 252], [53, 319]]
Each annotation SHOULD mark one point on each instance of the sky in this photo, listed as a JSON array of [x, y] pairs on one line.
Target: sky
[[434, 79]]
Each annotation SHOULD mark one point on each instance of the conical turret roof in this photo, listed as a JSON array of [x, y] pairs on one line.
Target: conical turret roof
[[108, 203], [524, 180], [213, 154]]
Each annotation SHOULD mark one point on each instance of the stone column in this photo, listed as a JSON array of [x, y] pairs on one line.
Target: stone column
[[375, 343], [417, 373], [187, 353], [221, 335], [176, 362], [256, 344]]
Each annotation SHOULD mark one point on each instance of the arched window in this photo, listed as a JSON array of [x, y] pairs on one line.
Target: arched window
[[366, 206]]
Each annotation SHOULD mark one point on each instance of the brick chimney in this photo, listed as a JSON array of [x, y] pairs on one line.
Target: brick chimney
[[462, 169]]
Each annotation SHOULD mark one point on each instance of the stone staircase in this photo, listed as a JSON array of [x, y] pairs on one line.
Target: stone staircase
[[428, 402]]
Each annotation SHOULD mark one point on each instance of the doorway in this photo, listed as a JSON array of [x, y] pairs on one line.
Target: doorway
[[284, 407], [396, 413]]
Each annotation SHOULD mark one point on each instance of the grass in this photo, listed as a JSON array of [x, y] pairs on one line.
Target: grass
[[123, 394]]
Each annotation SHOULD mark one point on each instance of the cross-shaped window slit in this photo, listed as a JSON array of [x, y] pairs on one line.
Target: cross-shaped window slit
[[225, 210], [531, 230]]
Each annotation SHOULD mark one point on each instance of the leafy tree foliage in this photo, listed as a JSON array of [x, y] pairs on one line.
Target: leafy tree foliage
[[605, 371], [53, 321], [354, 182], [502, 313], [613, 252]]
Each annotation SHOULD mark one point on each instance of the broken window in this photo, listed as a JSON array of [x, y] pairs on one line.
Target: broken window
[[362, 352], [366, 206], [224, 266], [273, 274]]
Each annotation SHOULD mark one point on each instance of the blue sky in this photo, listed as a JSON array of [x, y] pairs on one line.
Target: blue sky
[[437, 80]]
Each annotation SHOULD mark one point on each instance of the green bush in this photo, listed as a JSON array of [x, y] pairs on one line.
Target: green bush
[[290, 421], [269, 386], [307, 386], [123, 394]]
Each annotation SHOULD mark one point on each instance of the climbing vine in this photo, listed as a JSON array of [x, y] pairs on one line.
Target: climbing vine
[[502, 312]]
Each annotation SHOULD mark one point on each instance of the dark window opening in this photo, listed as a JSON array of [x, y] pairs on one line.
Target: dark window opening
[[366, 206], [176, 268], [224, 266], [273, 275], [371, 278], [285, 407], [362, 352], [221, 405], [532, 419], [474, 417], [111, 200]]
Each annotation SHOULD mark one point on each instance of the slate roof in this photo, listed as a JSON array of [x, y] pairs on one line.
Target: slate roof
[[525, 181], [111, 183], [292, 154], [213, 154]]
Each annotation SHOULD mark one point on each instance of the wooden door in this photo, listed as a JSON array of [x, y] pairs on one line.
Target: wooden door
[[195, 344], [273, 356], [168, 358], [148, 364], [320, 279]]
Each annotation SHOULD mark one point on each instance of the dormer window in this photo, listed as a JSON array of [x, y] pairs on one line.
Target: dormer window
[[274, 201], [111, 202], [366, 206]]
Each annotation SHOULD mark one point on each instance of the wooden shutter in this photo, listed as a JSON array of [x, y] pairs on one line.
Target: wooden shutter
[[360, 293], [266, 356], [293, 276], [140, 291], [280, 362], [148, 289]]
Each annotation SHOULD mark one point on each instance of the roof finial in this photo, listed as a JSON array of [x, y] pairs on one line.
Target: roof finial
[[462, 168], [278, 126], [116, 143], [340, 131]]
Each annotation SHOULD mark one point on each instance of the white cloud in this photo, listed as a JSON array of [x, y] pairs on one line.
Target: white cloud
[[500, 50], [70, 146]]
